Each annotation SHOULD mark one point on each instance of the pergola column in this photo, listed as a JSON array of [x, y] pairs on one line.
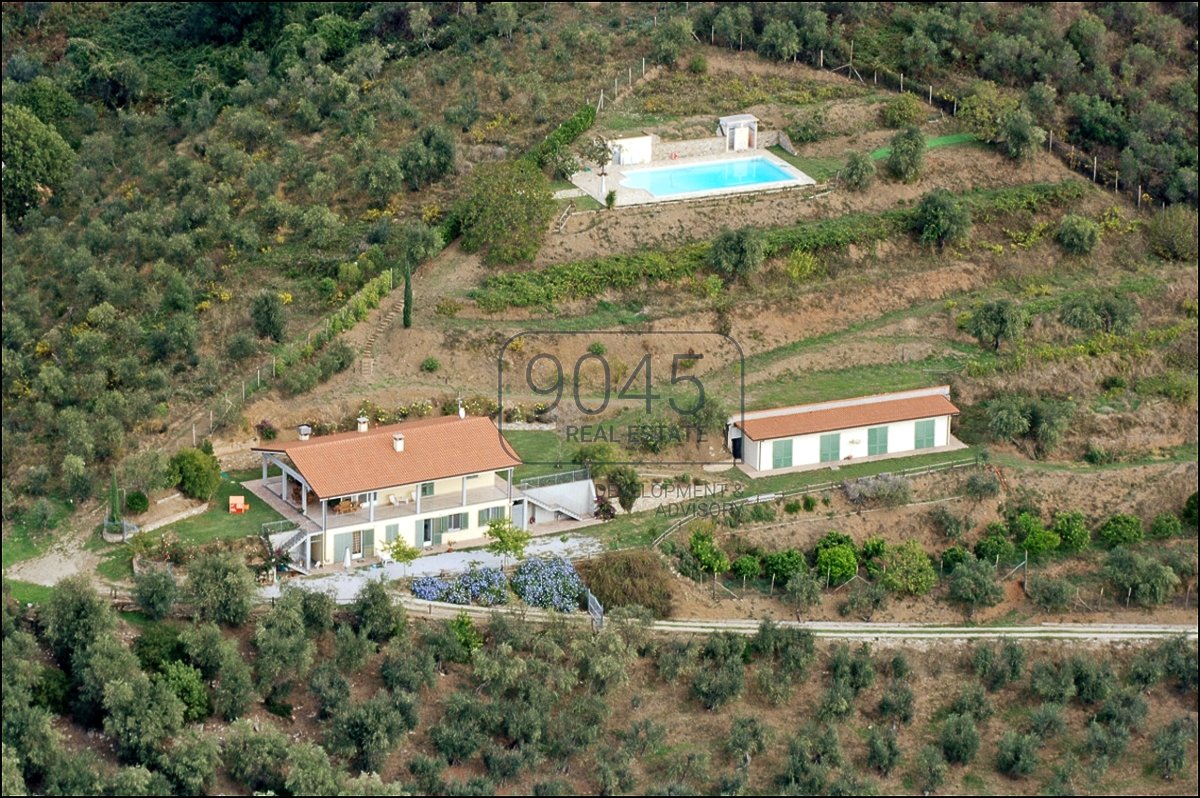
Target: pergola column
[[463, 501]]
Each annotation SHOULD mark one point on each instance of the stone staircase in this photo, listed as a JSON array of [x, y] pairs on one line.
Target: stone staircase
[[367, 360]]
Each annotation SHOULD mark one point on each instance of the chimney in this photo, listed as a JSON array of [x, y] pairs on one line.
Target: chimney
[[362, 423], [398, 441], [305, 432]]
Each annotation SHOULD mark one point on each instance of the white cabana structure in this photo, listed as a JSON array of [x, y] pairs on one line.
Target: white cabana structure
[[740, 132]]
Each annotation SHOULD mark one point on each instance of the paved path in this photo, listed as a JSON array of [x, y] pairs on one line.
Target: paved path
[[836, 630]]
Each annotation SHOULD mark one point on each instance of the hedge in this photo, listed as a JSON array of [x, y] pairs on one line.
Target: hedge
[[563, 135]]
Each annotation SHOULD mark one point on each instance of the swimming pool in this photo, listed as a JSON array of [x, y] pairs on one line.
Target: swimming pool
[[736, 174]]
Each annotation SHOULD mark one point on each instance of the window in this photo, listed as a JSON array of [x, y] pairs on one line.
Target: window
[[877, 440], [356, 545], [426, 488], [781, 453], [831, 447], [924, 436], [390, 532], [472, 476], [490, 514]]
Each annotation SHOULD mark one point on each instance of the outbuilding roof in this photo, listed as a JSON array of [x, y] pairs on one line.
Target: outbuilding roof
[[434, 448], [865, 411]]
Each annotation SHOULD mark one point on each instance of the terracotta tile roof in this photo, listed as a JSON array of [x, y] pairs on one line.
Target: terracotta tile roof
[[868, 414], [434, 448]]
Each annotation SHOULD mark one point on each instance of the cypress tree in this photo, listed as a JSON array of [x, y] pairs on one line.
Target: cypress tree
[[408, 296]]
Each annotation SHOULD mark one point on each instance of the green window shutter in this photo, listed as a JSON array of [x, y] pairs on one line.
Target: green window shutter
[[831, 447], [877, 440], [924, 434], [781, 453], [391, 532]]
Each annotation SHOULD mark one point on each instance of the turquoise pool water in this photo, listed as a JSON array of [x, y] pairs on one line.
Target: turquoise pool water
[[672, 181]]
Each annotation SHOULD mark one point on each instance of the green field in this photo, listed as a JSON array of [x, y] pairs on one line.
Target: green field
[[216, 523], [28, 592]]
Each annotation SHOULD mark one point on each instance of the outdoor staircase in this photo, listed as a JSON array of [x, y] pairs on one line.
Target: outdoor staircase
[[294, 541], [385, 321], [562, 217]]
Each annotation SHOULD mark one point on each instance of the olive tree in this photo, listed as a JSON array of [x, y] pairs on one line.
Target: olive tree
[[220, 588], [998, 321], [941, 218], [907, 156]]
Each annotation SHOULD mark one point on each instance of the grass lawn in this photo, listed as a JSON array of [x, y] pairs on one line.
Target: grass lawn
[[217, 523], [28, 592], [791, 482], [818, 168], [24, 541], [948, 140], [542, 450], [821, 386], [117, 565]]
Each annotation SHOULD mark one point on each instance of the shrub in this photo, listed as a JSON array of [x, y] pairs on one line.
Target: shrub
[[1120, 530], [1078, 235], [136, 503], [1072, 531], [1052, 683], [376, 615], [188, 686], [332, 689], [1050, 595], [883, 751], [221, 588], [946, 522], [736, 254], [155, 591], [1093, 680], [1166, 525], [1046, 722], [199, 473], [368, 731], [901, 111], [507, 208], [885, 490], [1171, 233], [907, 156], [549, 583], [960, 739], [350, 649], [998, 669], [406, 667], [1016, 754], [907, 569], [930, 769], [783, 565], [995, 548], [859, 172], [809, 502], [972, 702], [982, 485], [629, 578], [837, 563], [941, 219], [1171, 746], [75, 617], [1188, 514], [897, 703], [698, 65], [266, 313], [430, 364], [973, 584]]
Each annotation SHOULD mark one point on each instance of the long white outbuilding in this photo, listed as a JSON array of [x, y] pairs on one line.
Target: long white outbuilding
[[830, 433]]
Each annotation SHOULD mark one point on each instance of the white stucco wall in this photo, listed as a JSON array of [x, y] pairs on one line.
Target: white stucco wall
[[633, 150], [410, 528], [806, 449]]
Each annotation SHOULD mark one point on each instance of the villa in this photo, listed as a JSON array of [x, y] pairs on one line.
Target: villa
[[784, 439]]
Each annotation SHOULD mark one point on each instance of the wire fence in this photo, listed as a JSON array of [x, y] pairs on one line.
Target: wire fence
[[947, 101]]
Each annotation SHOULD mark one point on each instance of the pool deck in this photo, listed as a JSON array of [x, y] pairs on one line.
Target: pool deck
[[590, 182]]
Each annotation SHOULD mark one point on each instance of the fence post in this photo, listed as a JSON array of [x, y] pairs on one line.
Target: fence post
[[272, 367], [1117, 182], [643, 66], [875, 77], [210, 422], [1050, 144], [901, 82], [931, 94], [821, 58], [1095, 161], [955, 111], [1139, 195], [243, 390]]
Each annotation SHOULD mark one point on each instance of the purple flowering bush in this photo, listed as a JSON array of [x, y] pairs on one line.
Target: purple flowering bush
[[430, 588], [549, 583], [484, 586]]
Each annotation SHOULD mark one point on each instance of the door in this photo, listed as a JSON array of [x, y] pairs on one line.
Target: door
[[369, 543], [736, 448], [518, 514], [341, 544], [427, 532]]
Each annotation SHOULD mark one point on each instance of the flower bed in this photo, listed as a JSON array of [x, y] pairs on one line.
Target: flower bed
[[548, 583]]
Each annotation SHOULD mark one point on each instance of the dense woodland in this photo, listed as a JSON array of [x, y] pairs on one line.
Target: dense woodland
[[308, 699]]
